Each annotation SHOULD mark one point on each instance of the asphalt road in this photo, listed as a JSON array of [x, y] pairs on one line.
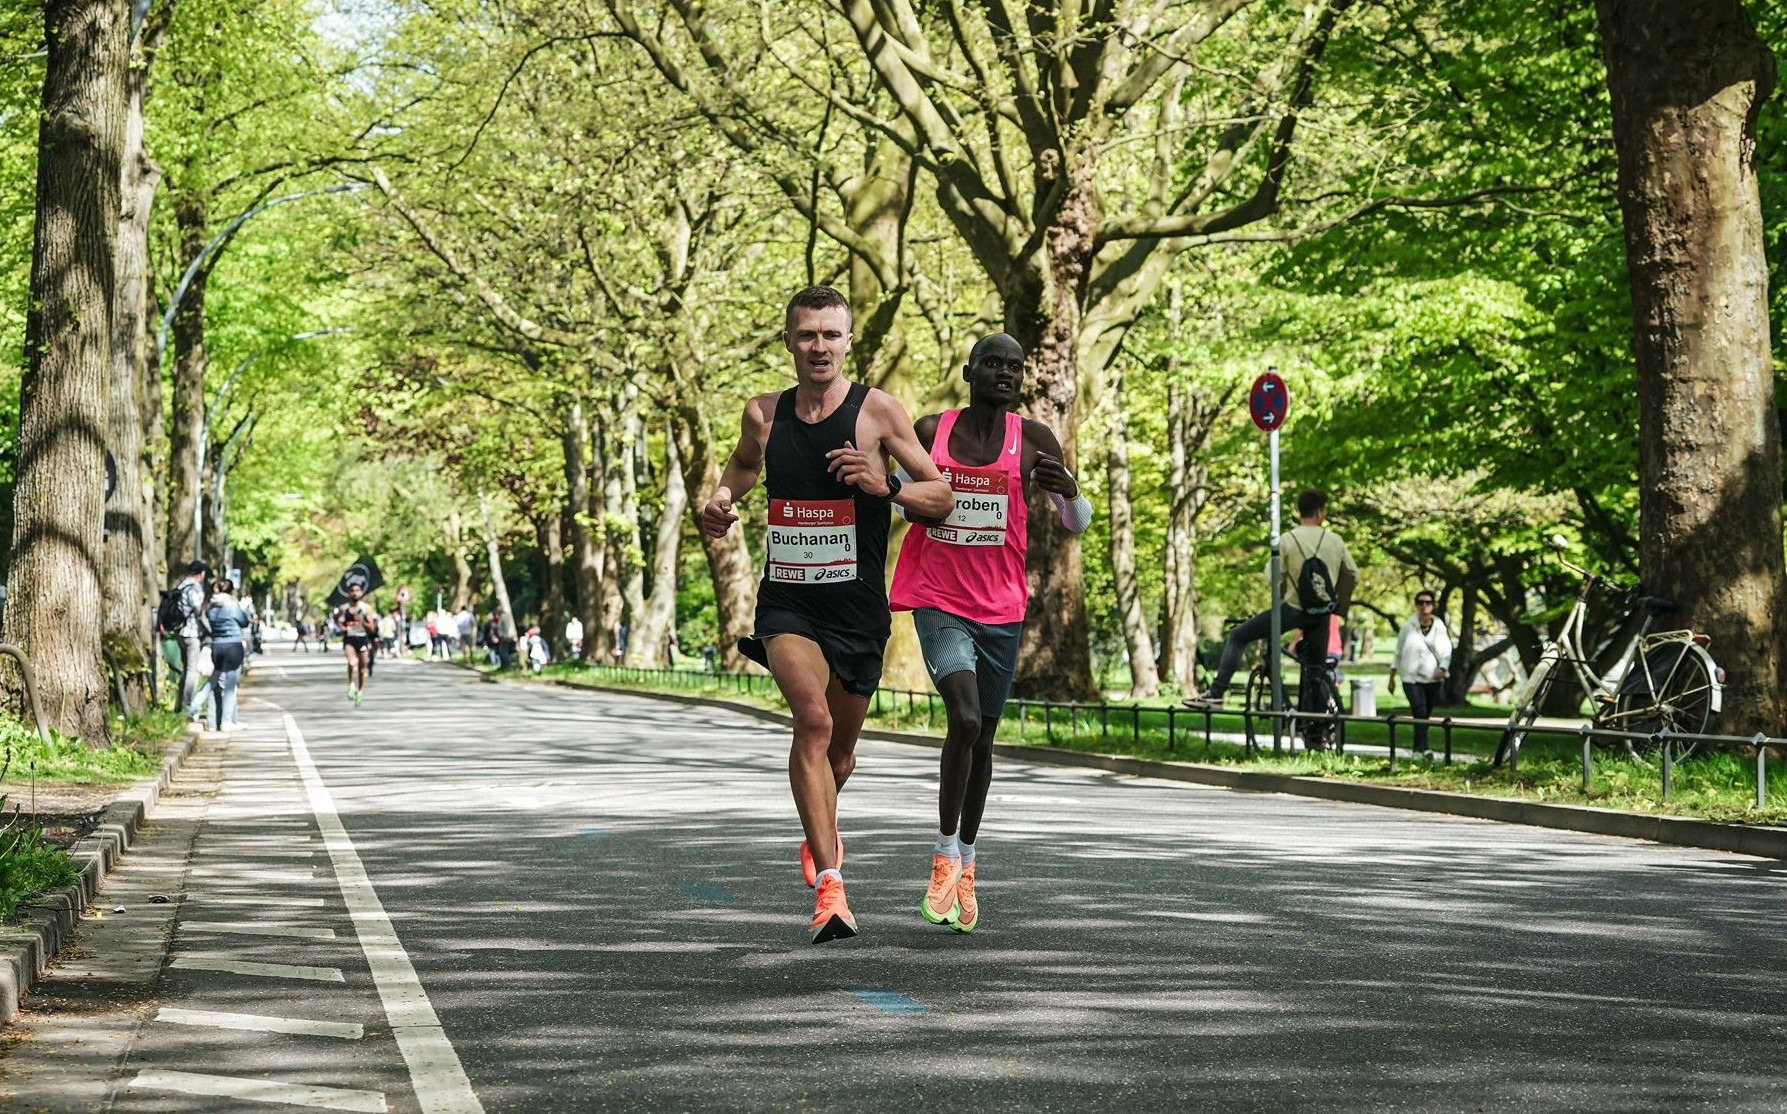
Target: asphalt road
[[543, 900]]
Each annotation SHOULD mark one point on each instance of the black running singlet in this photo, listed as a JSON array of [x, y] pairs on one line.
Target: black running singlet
[[827, 542]]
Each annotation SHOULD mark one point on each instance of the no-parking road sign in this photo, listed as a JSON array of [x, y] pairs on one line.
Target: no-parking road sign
[[1269, 402]]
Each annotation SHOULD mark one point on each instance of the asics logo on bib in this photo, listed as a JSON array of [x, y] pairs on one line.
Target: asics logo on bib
[[835, 574]]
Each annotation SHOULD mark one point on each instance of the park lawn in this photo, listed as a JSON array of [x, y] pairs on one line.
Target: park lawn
[[136, 751], [1718, 787]]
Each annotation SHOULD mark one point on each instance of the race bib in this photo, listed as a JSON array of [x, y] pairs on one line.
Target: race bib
[[982, 506], [812, 541]]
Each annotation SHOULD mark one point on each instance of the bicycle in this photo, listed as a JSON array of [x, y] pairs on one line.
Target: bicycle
[[1662, 681], [1316, 734]]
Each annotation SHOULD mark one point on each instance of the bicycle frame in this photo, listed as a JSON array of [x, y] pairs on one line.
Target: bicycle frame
[[1602, 691]]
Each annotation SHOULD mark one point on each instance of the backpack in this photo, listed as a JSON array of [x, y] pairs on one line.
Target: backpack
[[1315, 584], [171, 613]]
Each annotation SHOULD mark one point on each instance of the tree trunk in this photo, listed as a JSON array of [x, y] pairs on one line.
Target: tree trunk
[[128, 614], [1188, 480], [1687, 79], [55, 610], [586, 562], [552, 599], [497, 583], [184, 482], [658, 619], [1461, 671], [1043, 312], [628, 544], [462, 568], [1144, 677], [728, 558]]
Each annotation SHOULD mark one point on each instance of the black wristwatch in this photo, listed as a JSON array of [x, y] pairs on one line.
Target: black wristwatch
[[893, 487]]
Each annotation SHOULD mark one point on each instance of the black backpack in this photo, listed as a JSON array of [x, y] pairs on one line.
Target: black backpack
[[172, 612], [1315, 584]]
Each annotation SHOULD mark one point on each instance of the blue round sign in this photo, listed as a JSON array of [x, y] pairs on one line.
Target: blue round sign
[[1269, 402]]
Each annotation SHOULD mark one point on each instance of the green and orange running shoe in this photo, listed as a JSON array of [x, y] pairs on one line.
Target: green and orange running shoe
[[832, 919], [967, 917], [808, 869], [939, 902]]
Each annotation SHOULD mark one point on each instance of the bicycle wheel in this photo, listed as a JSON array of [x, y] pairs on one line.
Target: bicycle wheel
[[1682, 700], [1319, 690], [1259, 700], [1526, 706]]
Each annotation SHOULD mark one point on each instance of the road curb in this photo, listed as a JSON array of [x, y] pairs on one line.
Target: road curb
[[47, 924], [1743, 839]]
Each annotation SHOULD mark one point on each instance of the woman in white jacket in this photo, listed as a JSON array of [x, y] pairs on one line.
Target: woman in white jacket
[[1422, 650]]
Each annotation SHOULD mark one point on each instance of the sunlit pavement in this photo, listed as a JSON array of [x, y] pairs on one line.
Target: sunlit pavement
[[599, 899]]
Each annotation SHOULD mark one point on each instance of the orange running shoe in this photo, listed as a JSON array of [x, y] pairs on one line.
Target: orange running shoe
[[831, 914], [808, 869], [967, 917], [939, 902]]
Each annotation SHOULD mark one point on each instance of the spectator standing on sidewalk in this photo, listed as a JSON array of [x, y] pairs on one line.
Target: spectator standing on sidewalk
[[1423, 647], [229, 622], [189, 630]]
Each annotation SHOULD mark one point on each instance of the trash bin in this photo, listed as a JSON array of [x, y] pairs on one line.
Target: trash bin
[[1364, 696]]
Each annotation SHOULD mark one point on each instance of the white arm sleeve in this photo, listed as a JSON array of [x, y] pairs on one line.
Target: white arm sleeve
[[1075, 515]]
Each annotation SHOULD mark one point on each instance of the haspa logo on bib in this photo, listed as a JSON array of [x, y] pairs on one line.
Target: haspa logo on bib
[[990, 481]]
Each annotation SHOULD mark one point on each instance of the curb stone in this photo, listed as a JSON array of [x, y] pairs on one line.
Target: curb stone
[[1744, 839], [47, 924]]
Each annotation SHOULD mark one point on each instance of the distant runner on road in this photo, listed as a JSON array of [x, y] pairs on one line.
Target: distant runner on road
[[963, 580], [358, 626], [822, 617]]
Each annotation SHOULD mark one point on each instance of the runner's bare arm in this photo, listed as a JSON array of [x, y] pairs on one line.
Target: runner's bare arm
[[742, 468], [1048, 469], [926, 429], [886, 431]]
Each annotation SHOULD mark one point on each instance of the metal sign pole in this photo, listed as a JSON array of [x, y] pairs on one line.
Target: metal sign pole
[[1276, 668]]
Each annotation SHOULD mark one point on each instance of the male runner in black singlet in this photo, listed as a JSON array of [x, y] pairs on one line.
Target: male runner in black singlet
[[822, 617], [358, 628]]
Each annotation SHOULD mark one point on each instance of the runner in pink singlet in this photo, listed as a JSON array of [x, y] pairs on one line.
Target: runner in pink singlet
[[963, 580]]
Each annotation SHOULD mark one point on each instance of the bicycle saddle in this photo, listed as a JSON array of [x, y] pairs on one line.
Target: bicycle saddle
[[1656, 605]]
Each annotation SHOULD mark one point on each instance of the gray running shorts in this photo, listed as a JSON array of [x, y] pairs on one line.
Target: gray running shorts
[[953, 644]]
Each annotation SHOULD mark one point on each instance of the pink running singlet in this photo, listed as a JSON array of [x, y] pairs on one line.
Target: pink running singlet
[[973, 564]]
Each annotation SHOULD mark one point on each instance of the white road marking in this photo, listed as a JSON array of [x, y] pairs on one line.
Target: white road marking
[[258, 1023], [246, 929], [260, 970], [440, 1080], [261, 1090], [278, 902]]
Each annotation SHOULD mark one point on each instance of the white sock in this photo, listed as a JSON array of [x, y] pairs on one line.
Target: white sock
[[967, 855], [946, 845], [819, 879]]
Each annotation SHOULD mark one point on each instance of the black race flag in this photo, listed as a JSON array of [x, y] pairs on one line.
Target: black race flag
[[363, 572]]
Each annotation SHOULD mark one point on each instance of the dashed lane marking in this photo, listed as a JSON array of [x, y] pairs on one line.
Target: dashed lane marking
[[261, 1090], [259, 1023], [274, 902], [244, 929], [440, 1080], [259, 970]]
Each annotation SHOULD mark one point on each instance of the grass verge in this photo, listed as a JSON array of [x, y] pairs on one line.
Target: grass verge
[[1719, 786]]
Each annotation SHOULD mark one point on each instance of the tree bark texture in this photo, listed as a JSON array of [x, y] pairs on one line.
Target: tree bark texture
[[128, 613], [1042, 312], [55, 606], [586, 562], [191, 214], [495, 554], [454, 535], [658, 619], [552, 598], [1687, 79], [728, 559], [628, 544], [1188, 483], [1143, 669]]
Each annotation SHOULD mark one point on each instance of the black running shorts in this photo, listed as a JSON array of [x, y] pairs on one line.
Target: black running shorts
[[853, 655]]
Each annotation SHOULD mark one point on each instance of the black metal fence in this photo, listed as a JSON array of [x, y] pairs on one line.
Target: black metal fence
[[1172, 724]]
